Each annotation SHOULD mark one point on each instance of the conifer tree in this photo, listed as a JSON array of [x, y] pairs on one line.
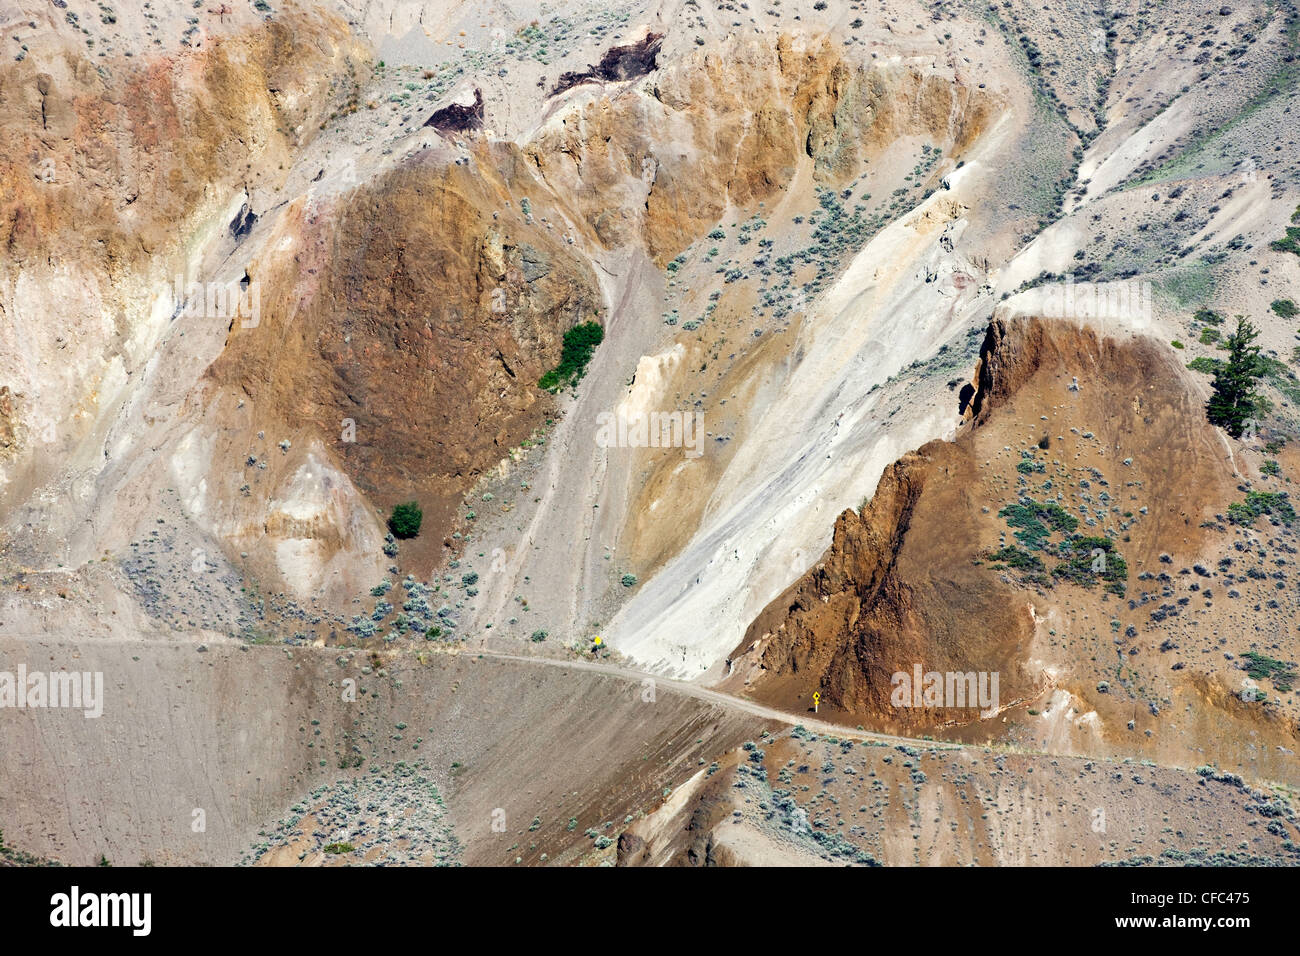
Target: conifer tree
[[1235, 400]]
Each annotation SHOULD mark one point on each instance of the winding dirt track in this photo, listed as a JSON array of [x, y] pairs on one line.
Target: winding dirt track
[[726, 700]]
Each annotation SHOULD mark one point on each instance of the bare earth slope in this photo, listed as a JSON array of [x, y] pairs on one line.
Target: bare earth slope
[[272, 268]]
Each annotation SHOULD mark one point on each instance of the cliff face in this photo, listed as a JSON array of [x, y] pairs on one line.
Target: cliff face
[[421, 309], [113, 177], [918, 577], [896, 589], [726, 127]]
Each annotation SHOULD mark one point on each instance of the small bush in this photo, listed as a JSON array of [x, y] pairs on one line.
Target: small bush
[[1257, 503], [1291, 241], [1035, 521], [1078, 566], [1020, 560], [579, 344], [405, 520], [1259, 667]]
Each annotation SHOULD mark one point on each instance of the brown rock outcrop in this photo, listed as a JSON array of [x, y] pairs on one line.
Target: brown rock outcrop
[[424, 309], [902, 584], [458, 117], [739, 120], [895, 590]]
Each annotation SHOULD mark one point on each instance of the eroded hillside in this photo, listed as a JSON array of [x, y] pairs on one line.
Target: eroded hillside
[[932, 296], [1080, 515]]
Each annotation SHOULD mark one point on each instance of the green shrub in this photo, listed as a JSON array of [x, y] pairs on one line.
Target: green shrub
[[1286, 308], [1259, 667], [1259, 503], [579, 344], [405, 520], [1291, 242], [1032, 519], [1015, 558], [1078, 565]]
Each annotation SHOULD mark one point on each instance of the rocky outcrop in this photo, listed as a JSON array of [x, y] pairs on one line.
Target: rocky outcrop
[[906, 584], [895, 590], [740, 118], [423, 311], [620, 63], [459, 117]]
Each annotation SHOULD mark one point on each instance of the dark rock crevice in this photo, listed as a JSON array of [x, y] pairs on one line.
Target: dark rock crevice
[[459, 118], [619, 63]]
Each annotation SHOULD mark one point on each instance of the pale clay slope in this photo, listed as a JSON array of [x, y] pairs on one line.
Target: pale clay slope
[[765, 526], [759, 530]]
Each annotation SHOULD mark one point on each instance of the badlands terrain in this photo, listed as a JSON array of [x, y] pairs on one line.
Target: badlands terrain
[[929, 299]]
